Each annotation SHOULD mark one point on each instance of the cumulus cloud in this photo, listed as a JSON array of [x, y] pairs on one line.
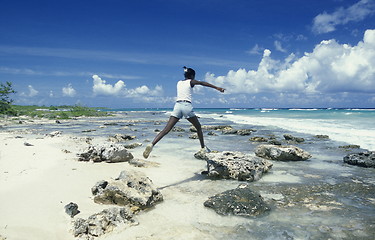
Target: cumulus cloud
[[144, 93], [69, 91], [32, 92], [100, 87], [330, 68], [327, 22]]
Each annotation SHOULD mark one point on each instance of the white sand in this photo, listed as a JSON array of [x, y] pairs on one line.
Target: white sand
[[38, 181]]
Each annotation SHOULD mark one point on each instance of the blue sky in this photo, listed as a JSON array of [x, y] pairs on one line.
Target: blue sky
[[121, 54]]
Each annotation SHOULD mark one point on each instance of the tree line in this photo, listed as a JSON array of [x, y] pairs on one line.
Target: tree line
[[5, 101]]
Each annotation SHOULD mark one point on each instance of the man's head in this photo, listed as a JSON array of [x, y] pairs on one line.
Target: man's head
[[189, 73]]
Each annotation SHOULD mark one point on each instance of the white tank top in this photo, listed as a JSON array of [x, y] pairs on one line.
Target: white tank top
[[184, 90]]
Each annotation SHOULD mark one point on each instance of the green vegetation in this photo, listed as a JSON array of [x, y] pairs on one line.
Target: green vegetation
[[58, 112], [53, 112], [5, 101]]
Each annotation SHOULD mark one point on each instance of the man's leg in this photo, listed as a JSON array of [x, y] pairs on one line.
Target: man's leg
[[194, 120], [172, 121]]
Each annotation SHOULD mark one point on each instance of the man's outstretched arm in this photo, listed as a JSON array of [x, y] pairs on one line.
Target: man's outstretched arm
[[206, 84]]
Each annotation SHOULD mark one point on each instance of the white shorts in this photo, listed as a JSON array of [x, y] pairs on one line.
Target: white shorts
[[183, 109]]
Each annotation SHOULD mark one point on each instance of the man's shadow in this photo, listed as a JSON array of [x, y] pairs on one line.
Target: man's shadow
[[196, 177]]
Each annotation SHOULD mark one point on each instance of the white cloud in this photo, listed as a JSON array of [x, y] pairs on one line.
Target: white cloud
[[142, 93], [256, 50], [325, 22], [330, 68], [279, 47], [32, 92], [69, 91], [100, 87]]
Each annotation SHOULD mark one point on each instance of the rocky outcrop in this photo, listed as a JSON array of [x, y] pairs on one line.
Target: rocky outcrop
[[282, 153], [258, 139], [235, 165], [120, 138], [136, 162], [363, 159], [178, 129], [132, 145], [291, 138], [107, 153], [103, 222], [241, 132], [210, 127], [229, 130], [320, 136], [53, 134], [71, 209], [131, 188], [351, 146], [241, 201]]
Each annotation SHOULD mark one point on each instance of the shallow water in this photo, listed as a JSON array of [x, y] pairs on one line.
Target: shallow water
[[321, 198]]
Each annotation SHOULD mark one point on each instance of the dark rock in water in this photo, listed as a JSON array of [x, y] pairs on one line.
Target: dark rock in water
[[229, 130], [120, 138], [282, 153], [322, 136], [88, 130], [132, 145], [351, 146], [178, 129], [275, 142], [236, 165], [241, 201], [210, 127], [289, 137], [193, 136], [211, 133], [72, 209], [103, 222], [245, 132], [107, 153], [131, 188], [110, 124], [258, 139], [363, 159]]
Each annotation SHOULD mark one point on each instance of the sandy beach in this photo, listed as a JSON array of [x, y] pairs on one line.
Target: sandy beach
[[40, 174], [39, 180]]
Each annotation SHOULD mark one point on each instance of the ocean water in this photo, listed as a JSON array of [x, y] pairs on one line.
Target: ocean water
[[321, 198], [353, 126]]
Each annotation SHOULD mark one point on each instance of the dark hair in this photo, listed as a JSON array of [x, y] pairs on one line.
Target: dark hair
[[189, 73]]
